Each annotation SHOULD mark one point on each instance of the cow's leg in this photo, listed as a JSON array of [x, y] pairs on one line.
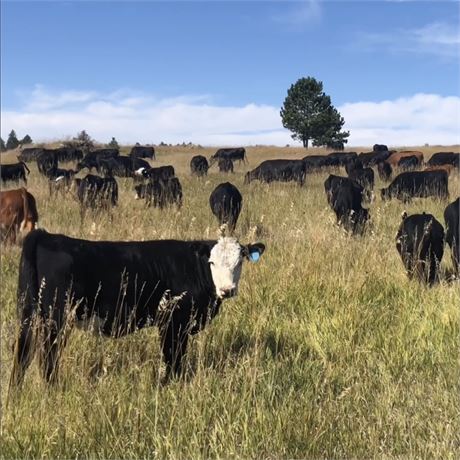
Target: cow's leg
[[174, 339]]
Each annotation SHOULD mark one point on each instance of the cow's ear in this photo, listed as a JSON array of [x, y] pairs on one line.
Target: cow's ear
[[253, 252], [201, 249]]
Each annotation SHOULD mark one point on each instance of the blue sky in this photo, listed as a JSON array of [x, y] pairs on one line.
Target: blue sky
[[217, 72]]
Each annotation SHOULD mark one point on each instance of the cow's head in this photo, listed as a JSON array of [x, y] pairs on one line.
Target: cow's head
[[225, 260]]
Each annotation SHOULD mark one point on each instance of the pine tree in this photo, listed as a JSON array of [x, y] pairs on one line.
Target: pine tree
[[307, 112], [26, 140], [2, 145], [12, 141]]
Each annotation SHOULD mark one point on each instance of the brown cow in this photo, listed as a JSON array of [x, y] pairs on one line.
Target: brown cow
[[447, 168], [18, 213], [394, 158]]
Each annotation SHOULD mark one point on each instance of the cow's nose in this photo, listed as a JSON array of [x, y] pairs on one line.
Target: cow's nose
[[226, 293]]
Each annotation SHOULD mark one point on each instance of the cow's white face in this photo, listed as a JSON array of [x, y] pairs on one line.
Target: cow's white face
[[226, 260]]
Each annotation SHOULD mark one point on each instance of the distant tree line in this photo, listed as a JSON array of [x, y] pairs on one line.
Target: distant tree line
[[13, 142]]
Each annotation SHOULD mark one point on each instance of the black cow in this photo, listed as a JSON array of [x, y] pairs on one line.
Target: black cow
[[380, 148], [385, 171], [369, 159], [199, 166], [278, 170], [96, 192], [60, 179], [121, 166], [225, 165], [160, 173], [226, 203], [417, 184], [316, 163], [161, 193], [343, 157], [443, 158], [30, 154], [14, 172], [353, 164], [452, 220], [345, 197], [68, 154], [409, 163], [364, 177], [116, 288], [90, 159], [420, 243], [47, 161], [139, 151], [234, 154]]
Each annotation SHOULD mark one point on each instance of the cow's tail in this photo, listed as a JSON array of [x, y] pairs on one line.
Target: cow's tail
[[25, 166], [27, 296]]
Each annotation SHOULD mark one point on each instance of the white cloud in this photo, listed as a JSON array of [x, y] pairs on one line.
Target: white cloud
[[438, 38], [133, 117]]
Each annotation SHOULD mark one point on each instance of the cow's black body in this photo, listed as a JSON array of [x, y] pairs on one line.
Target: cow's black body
[[139, 151], [369, 159], [409, 163], [160, 173], [90, 160], [95, 192], [14, 172], [122, 286], [199, 166], [30, 154], [452, 220], [234, 154], [385, 171], [364, 177], [418, 184], [279, 170], [420, 243], [225, 165], [345, 198], [161, 193], [316, 163], [343, 157], [226, 202], [443, 158], [120, 166]]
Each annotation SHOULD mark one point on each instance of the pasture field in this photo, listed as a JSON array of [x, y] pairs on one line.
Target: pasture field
[[329, 351]]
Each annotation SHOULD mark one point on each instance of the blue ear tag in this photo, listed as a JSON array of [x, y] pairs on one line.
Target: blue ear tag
[[254, 256]]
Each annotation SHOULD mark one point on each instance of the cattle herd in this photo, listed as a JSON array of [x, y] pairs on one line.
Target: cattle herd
[[180, 285]]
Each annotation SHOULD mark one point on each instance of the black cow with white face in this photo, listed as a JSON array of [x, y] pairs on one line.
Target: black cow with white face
[[176, 285], [156, 174], [226, 203], [199, 166], [278, 170], [420, 243], [345, 197], [408, 185], [452, 220], [14, 172]]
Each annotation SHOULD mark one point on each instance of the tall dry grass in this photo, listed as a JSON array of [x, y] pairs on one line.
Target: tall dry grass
[[329, 351]]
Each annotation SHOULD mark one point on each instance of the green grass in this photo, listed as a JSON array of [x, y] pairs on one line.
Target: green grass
[[329, 351]]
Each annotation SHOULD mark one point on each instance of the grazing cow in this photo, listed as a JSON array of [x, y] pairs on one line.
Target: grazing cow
[[226, 202], [67, 154], [116, 288], [385, 171], [394, 158], [364, 177], [225, 165], [408, 163], [354, 164], [234, 154], [14, 172], [417, 184], [95, 192], [345, 196], [278, 170], [47, 161], [60, 179], [91, 158], [343, 157], [161, 193], [316, 163], [443, 158], [121, 166], [160, 173], [199, 166], [420, 243], [380, 148], [139, 151], [452, 220], [369, 159], [30, 154], [18, 214]]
